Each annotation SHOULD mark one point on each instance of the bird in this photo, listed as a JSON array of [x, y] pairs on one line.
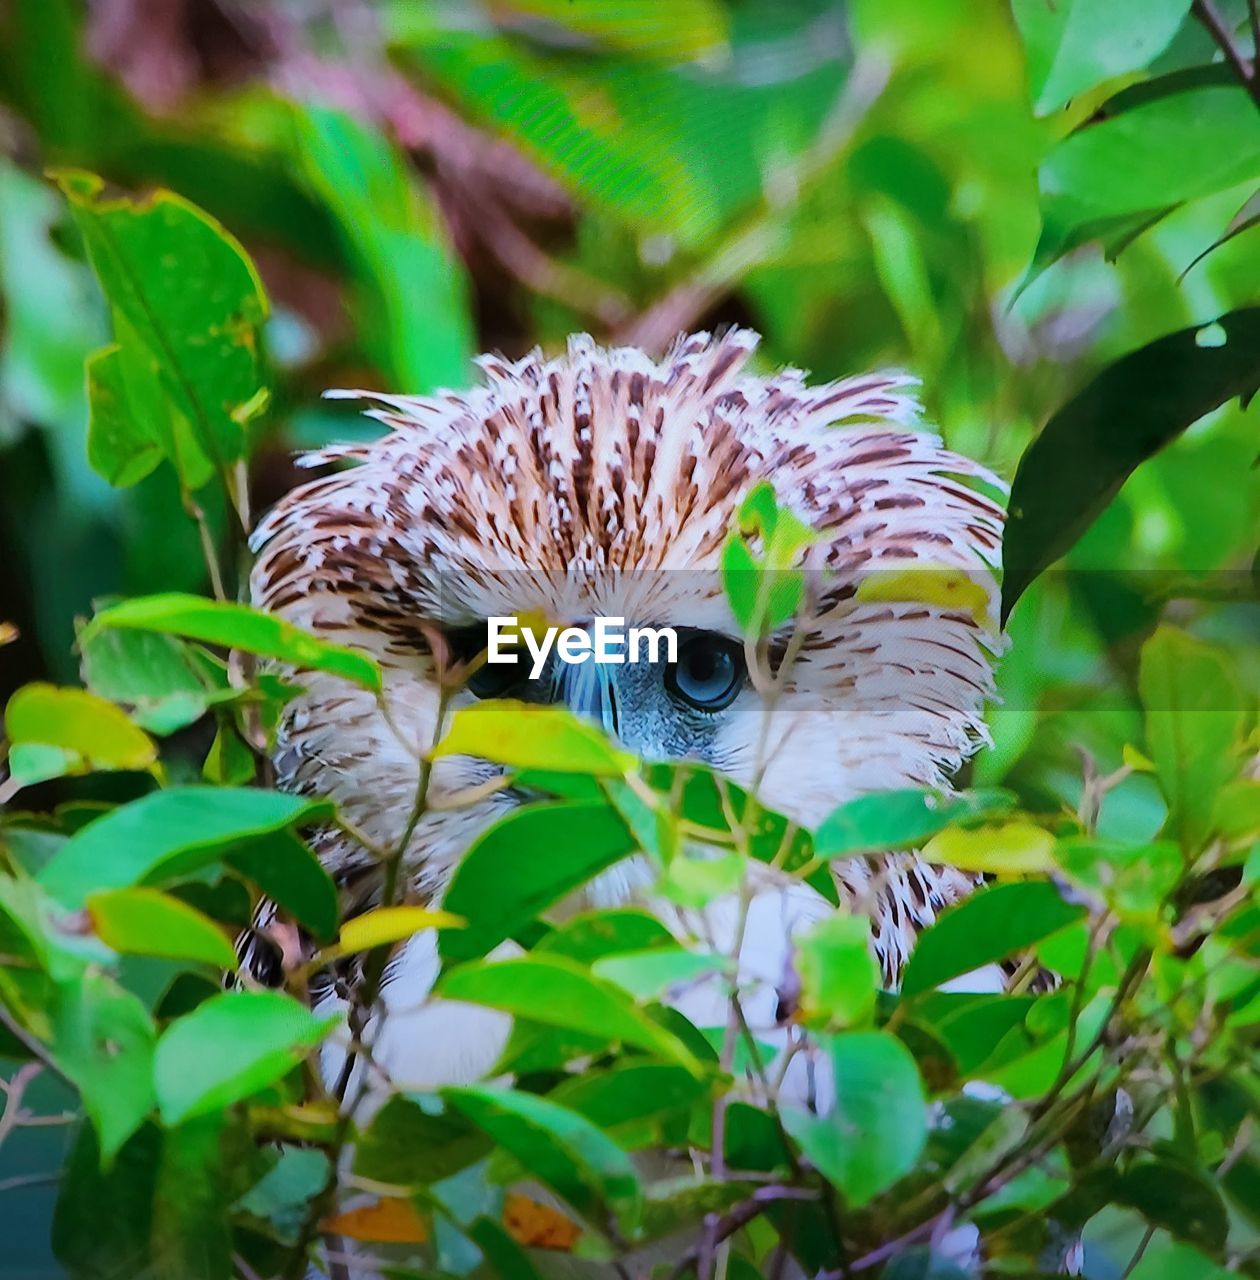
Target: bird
[[598, 482]]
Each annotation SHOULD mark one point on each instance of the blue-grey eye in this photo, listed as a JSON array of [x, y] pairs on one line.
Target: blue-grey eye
[[709, 672]]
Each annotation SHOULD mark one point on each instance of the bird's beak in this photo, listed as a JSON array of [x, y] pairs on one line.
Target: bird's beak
[[589, 690]]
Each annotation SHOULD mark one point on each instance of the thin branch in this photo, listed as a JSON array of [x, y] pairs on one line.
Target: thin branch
[[1147, 1236], [30, 1043], [885, 1251], [16, 1086], [30, 1180], [1218, 28], [362, 1001], [247, 1272], [740, 1216], [211, 556], [8, 789]]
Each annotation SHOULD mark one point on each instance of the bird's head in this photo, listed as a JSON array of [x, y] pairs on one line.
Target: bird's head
[[602, 484]]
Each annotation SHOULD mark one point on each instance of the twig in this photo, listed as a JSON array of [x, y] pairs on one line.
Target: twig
[[30, 1043], [886, 1251], [1147, 1236], [8, 789], [362, 1000], [13, 1115], [211, 556], [1218, 28], [739, 1217], [247, 1272], [30, 1180]]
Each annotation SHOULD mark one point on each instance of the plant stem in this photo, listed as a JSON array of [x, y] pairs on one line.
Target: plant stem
[[362, 1001], [1210, 17], [198, 515]]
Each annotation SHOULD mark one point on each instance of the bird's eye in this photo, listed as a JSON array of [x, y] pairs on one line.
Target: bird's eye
[[497, 680], [490, 680], [709, 672]]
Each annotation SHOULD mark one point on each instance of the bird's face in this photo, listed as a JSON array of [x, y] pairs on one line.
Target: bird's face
[[658, 707], [603, 485]]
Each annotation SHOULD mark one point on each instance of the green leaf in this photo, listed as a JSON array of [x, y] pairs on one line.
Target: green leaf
[[104, 1215], [1010, 848], [236, 626], [1073, 45], [51, 322], [383, 926], [165, 836], [923, 1263], [891, 820], [1179, 1199], [838, 973], [87, 731], [32, 762], [123, 445], [764, 590], [410, 1142], [1244, 220], [285, 869], [878, 1126], [652, 974], [969, 1024], [500, 1250], [1001, 1137], [529, 736], [282, 1196], [1169, 1260], [103, 1039], [153, 675], [694, 879], [525, 863], [1125, 415], [711, 801], [1119, 168], [230, 1047], [1133, 880], [983, 928], [411, 302], [194, 329], [629, 1095], [559, 993], [147, 922], [565, 1151], [229, 762], [1194, 722], [191, 1236], [592, 934]]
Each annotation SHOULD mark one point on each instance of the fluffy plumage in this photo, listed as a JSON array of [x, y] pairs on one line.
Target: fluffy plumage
[[603, 482]]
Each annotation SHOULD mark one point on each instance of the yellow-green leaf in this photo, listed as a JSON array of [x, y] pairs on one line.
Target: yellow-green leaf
[[947, 587], [151, 923], [391, 924], [526, 736], [93, 733], [1010, 848]]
